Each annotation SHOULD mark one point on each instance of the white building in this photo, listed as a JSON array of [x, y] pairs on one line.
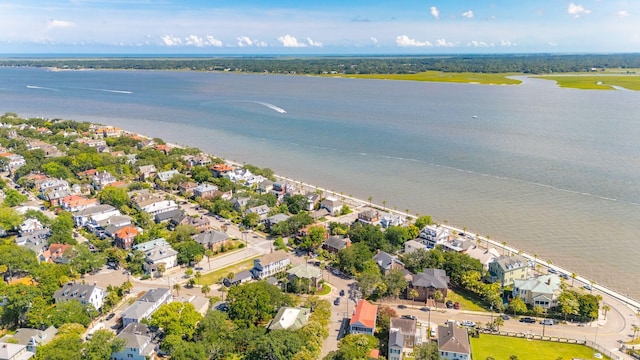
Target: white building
[[85, 294]]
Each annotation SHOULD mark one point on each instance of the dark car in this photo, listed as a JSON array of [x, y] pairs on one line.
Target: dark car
[[528, 320], [449, 304], [410, 317], [564, 276], [341, 292], [456, 305], [505, 317], [336, 302], [111, 316]]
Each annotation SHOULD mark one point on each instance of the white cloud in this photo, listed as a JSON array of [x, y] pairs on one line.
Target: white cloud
[[468, 14], [622, 13], [290, 41], [171, 40], [314, 43], [551, 43], [435, 12], [374, 41], [194, 40], [405, 41], [507, 43], [213, 41], [59, 24], [444, 43], [577, 10], [475, 43], [244, 41]]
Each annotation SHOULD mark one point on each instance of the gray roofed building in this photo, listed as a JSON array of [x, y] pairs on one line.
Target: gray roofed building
[[146, 305], [304, 271], [261, 210], [239, 278], [138, 344], [205, 191], [97, 213], [36, 241], [169, 215], [211, 239], [275, 219], [428, 282], [402, 337], [270, 264], [506, 269], [10, 351], [336, 243], [32, 338], [288, 318], [167, 175], [413, 245], [85, 294], [387, 262], [453, 342], [157, 252]]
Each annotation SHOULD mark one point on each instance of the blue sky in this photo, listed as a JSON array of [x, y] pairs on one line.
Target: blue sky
[[318, 27]]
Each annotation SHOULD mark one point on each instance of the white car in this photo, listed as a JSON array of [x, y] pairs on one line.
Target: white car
[[468, 323]]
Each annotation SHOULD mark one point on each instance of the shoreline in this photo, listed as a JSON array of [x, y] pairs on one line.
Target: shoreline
[[357, 202]]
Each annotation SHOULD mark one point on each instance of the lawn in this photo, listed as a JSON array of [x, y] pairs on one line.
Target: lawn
[[595, 81], [217, 275], [502, 347], [467, 300], [439, 76]]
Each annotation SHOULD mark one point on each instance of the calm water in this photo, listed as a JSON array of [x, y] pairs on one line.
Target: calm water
[[552, 171]]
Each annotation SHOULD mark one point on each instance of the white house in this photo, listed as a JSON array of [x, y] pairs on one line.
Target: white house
[[167, 175], [453, 342], [145, 306], [85, 294], [542, 290], [138, 345], [30, 225], [157, 252], [155, 205], [332, 204], [96, 213], [270, 264], [9, 351]]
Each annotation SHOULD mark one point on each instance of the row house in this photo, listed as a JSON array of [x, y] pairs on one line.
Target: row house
[[270, 264], [154, 204], [404, 335], [363, 320]]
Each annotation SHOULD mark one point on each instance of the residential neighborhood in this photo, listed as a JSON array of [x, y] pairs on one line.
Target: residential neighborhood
[[159, 240]]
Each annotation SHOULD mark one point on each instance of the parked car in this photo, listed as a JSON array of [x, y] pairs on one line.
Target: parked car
[[587, 287], [342, 292], [552, 271], [449, 304], [505, 317], [456, 305], [410, 317], [468, 323], [425, 308], [547, 322], [336, 302], [564, 276], [528, 320], [111, 316]]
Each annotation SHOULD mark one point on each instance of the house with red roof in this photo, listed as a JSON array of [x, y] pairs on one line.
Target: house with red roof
[[124, 237], [363, 320]]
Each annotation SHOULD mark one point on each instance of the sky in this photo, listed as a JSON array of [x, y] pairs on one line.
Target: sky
[[305, 27]]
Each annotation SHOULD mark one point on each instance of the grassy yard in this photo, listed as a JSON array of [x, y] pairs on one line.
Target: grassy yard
[[595, 81], [467, 300], [215, 276], [502, 347], [439, 76]]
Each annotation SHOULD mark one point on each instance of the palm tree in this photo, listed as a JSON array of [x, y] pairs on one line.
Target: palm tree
[[605, 309], [209, 254], [161, 269], [223, 289], [205, 289], [198, 276], [498, 321], [504, 247], [413, 293], [635, 329], [573, 278], [384, 204], [177, 288], [437, 296], [488, 237], [370, 198]]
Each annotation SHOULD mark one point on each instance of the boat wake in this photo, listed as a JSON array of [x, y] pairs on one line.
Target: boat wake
[[271, 106], [41, 88], [112, 91]]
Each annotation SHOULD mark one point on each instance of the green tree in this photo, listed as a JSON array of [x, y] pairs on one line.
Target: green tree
[[255, 303], [296, 203], [352, 259], [66, 346], [423, 221], [17, 258], [397, 235], [395, 281], [369, 281], [114, 196], [427, 351], [413, 293], [62, 229], [102, 344], [568, 304], [356, 347], [251, 220], [176, 318], [84, 261], [314, 238], [201, 174], [13, 198], [206, 289], [497, 322], [18, 298], [9, 218], [209, 254], [517, 305], [187, 251]]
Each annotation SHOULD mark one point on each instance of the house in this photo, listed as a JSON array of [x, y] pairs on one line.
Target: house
[[53, 185], [167, 175], [145, 306], [102, 179], [312, 201], [261, 210], [74, 203], [31, 338], [240, 203], [542, 290], [9, 351], [138, 343], [387, 262], [57, 253], [96, 213], [428, 282], [173, 216], [275, 219], [87, 174], [414, 245], [391, 220], [200, 223], [13, 161], [336, 243], [265, 186], [186, 188], [86, 294], [363, 320], [197, 160], [303, 271], [506, 269], [157, 252], [332, 204], [212, 239], [369, 216], [220, 170], [154, 204], [270, 264], [147, 171], [402, 337], [453, 342], [124, 236], [289, 318], [54, 197], [29, 226], [485, 256], [431, 235], [36, 241], [239, 278]]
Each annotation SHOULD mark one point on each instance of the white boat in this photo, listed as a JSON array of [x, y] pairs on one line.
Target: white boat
[[474, 117]]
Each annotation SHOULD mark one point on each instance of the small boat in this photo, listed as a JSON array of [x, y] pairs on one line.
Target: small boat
[[474, 117]]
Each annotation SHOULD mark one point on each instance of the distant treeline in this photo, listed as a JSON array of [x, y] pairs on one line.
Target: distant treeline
[[527, 64]]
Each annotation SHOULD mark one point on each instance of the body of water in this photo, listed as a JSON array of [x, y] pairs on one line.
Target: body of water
[[555, 172]]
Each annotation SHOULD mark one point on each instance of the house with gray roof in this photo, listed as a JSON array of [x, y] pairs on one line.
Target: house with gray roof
[[275, 219], [453, 342], [31, 338], [261, 210], [205, 191], [211, 239], [303, 271], [138, 344], [414, 245], [9, 351], [387, 262], [36, 241], [288, 318], [146, 305], [542, 290], [165, 176], [506, 269], [402, 337], [336, 243], [239, 278], [96, 213], [428, 282], [157, 252], [85, 294]]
